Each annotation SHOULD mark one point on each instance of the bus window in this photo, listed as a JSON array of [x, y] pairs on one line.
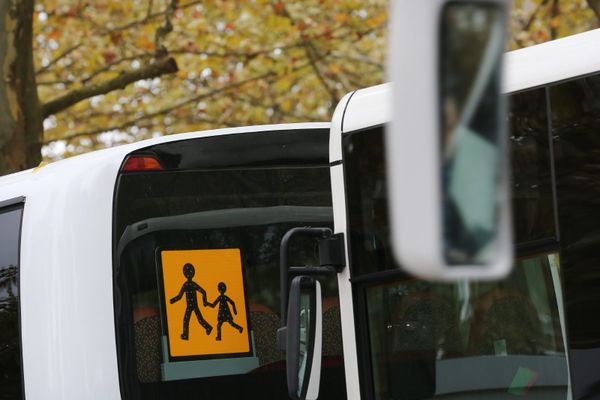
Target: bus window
[[530, 156], [461, 340], [227, 202], [367, 201], [575, 130], [426, 338], [11, 380]]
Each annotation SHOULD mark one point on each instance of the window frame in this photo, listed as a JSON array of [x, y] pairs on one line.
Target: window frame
[[18, 203]]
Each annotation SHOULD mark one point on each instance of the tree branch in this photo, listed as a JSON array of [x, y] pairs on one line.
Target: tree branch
[[554, 12], [108, 66], [162, 32], [156, 69], [362, 60], [166, 110], [65, 82], [150, 6], [151, 16], [313, 55], [57, 59], [533, 15]]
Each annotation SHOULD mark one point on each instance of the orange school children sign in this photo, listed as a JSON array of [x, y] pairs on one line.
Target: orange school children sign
[[204, 302]]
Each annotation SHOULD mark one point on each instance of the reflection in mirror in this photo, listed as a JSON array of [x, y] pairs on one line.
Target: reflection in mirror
[[472, 40], [304, 338]]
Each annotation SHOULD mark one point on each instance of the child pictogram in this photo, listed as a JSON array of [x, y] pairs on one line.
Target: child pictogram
[[190, 287], [224, 312]]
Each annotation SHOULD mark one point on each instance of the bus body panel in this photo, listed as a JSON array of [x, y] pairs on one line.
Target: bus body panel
[[368, 107], [553, 61], [67, 317]]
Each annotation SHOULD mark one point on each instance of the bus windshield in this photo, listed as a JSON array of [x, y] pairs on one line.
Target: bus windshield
[[460, 340]]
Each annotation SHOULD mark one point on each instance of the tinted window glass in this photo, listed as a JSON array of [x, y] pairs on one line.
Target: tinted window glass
[[576, 133], [470, 340], [220, 207], [462, 340], [366, 198], [10, 340], [531, 177], [364, 166]]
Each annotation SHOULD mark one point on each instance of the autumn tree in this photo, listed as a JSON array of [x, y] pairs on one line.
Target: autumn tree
[[537, 21], [80, 75], [21, 111], [240, 63]]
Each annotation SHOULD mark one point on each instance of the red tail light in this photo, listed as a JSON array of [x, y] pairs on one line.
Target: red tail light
[[141, 163]]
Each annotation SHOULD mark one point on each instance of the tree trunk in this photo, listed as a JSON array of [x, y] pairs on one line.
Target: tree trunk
[[21, 122]]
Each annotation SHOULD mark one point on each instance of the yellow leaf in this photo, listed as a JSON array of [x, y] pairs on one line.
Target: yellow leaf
[[342, 18], [286, 105], [144, 43], [55, 35], [335, 69], [377, 20]]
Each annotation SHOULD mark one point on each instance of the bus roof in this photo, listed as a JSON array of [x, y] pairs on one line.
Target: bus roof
[[11, 185], [534, 66], [552, 62]]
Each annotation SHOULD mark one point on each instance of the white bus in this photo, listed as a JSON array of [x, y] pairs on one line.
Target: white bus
[[98, 299]]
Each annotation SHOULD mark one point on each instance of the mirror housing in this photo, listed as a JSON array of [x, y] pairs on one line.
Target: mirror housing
[[304, 335], [447, 146]]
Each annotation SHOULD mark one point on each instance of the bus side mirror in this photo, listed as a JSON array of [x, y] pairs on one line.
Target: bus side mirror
[[447, 148], [304, 338]]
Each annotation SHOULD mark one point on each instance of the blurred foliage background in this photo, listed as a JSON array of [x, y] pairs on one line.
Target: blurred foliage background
[[239, 63], [109, 72]]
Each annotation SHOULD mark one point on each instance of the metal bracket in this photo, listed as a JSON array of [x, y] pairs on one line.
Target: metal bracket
[[331, 260], [332, 252]]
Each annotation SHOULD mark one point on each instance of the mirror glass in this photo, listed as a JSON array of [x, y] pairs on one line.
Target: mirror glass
[[306, 299], [472, 42]]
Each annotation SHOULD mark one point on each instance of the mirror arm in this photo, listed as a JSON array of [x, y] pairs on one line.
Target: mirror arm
[[332, 252], [306, 231], [331, 259]]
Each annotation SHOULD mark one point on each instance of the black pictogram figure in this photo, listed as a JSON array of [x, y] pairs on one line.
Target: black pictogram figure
[[189, 287], [224, 312]]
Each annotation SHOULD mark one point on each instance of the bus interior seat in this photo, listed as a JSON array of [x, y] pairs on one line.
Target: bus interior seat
[[264, 323], [425, 321], [147, 333], [423, 328], [505, 322], [332, 327]]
